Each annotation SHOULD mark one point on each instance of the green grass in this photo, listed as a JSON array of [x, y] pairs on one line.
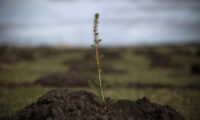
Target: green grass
[[183, 100], [14, 99]]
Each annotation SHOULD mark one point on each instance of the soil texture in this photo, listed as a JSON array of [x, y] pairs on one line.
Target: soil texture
[[109, 54], [195, 69], [11, 55], [65, 104], [65, 79], [157, 59], [50, 83], [88, 64], [154, 86]]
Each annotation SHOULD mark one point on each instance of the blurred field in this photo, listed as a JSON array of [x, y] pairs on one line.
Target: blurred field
[[166, 74]]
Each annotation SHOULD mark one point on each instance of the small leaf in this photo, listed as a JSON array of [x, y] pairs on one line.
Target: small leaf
[[101, 56], [96, 15], [105, 84], [91, 85], [111, 101], [93, 46], [98, 41]]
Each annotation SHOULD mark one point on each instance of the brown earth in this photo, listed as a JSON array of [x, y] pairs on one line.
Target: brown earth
[[181, 50], [65, 104], [154, 86], [49, 82], [53, 52], [87, 67], [195, 69], [11, 55], [165, 61], [66, 79], [109, 54], [87, 64], [15, 85], [157, 59], [197, 54]]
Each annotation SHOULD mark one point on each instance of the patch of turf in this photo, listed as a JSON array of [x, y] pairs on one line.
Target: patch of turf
[[12, 100], [51, 60]]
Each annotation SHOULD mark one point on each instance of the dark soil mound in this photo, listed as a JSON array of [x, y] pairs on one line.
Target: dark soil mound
[[146, 51], [112, 54], [84, 67], [11, 55], [197, 54], [15, 85], [195, 69], [109, 54], [64, 104], [165, 61], [158, 59], [53, 52], [154, 86], [89, 65], [65, 79], [181, 50]]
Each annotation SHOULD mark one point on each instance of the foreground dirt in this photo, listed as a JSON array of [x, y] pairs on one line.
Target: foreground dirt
[[65, 104]]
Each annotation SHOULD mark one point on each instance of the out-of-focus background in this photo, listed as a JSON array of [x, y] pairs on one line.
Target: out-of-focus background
[[122, 22], [151, 48]]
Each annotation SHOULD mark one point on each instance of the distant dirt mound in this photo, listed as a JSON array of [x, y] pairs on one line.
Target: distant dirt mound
[[65, 104], [197, 54], [195, 69], [87, 64], [84, 67], [11, 55], [89, 56], [181, 51], [166, 61], [158, 59], [65, 79], [53, 52], [112, 54], [109, 54]]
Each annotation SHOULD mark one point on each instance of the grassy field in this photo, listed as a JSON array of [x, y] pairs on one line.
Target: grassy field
[[168, 67]]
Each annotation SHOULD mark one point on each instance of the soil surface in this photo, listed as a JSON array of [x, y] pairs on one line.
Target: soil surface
[[195, 69], [130, 85], [154, 86], [197, 54], [158, 59], [87, 64], [11, 55], [109, 54], [87, 67], [65, 79], [65, 104]]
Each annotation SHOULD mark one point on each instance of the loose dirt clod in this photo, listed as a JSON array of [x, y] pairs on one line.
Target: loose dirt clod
[[65, 104]]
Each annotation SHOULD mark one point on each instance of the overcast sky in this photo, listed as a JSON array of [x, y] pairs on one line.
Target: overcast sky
[[122, 22]]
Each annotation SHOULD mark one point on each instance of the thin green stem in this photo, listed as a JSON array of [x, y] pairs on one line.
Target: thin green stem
[[97, 56]]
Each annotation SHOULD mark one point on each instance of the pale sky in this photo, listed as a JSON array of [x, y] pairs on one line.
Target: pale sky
[[122, 22]]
